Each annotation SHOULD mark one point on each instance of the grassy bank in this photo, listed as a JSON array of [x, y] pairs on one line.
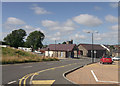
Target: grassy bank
[[12, 56]]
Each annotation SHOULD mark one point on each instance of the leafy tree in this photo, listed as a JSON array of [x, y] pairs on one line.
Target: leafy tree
[[64, 43], [3, 43], [15, 39], [35, 39]]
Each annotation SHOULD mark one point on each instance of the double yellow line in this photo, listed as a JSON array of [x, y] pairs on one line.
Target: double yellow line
[[36, 73], [24, 79]]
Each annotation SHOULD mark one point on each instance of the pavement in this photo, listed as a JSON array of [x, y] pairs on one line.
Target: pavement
[[40, 72], [96, 74]]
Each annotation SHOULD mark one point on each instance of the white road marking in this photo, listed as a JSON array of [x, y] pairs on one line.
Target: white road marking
[[94, 75], [109, 81], [27, 66], [11, 82], [102, 81]]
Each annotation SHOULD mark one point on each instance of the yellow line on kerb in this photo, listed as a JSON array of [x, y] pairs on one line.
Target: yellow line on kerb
[[20, 82], [26, 79], [46, 82], [28, 75]]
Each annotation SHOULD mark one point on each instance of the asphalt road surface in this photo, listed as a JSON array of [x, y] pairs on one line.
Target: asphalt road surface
[[27, 73]]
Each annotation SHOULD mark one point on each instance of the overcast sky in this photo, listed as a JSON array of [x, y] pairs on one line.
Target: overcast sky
[[63, 21]]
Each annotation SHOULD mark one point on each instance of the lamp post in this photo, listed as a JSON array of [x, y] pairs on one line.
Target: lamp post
[[55, 48], [92, 51], [48, 51]]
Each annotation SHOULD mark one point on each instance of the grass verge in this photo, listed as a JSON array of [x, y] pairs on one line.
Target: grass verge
[[12, 56]]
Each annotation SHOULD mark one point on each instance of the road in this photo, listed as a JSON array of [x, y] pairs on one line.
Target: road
[[27, 73]]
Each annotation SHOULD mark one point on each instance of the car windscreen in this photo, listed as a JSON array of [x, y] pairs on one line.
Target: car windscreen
[[107, 57]]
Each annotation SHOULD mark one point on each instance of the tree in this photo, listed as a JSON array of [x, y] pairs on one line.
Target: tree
[[64, 43], [3, 43], [35, 39], [16, 38]]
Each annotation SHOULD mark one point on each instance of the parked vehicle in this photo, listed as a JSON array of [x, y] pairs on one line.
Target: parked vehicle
[[116, 58], [106, 59]]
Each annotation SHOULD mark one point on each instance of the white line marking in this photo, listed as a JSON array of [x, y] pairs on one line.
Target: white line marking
[[11, 82], [109, 81], [102, 81], [94, 75], [27, 66]]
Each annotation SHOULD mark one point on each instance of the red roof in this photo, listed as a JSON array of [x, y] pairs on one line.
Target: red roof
[[61, 47], [95, 46]]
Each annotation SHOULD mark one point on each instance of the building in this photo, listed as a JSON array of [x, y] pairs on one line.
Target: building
[[25, 49], [4, 46], [86, 49], [61, 50], [69, 42]]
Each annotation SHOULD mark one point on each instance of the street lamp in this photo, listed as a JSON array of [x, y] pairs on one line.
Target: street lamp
[[92, 51]]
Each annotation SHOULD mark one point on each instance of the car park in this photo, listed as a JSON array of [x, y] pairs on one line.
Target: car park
[[106, 59], [116, 58]]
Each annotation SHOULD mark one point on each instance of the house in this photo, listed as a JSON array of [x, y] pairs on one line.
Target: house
[[86, 49], [116, 53], [4, 46], [25, 49], [61, 50]]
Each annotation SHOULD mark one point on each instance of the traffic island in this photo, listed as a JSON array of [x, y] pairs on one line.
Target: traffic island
[[96, 74]]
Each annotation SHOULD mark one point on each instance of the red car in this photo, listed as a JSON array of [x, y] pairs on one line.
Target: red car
[[106, 59]]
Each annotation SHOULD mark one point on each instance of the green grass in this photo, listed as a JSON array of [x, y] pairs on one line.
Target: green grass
[[12, 56]]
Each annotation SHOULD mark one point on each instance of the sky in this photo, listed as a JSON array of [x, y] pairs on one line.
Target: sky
[[63, 21]]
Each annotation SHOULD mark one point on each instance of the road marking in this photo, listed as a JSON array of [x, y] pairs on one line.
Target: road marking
[[27, 66], [11, 82], [33, 74], [26, 79], [109, 81], [20, 82], [94, 75], [102, 81], [48, 82]]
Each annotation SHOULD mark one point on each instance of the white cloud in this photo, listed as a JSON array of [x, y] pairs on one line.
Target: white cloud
[[54, 25], [30, 29], [77, 36], [107, 37], [55, 38], [14, 21], [66, 28], [86, 30], [69, 23], [111, 19], [114, 4], [57, 34], [87, 20], [49, 23], [98, 38], [39, 10], [114, 27], [27, 27]]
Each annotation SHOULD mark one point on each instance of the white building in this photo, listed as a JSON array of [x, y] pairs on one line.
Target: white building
[[49, 53], [4, 45], [25, 49]]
